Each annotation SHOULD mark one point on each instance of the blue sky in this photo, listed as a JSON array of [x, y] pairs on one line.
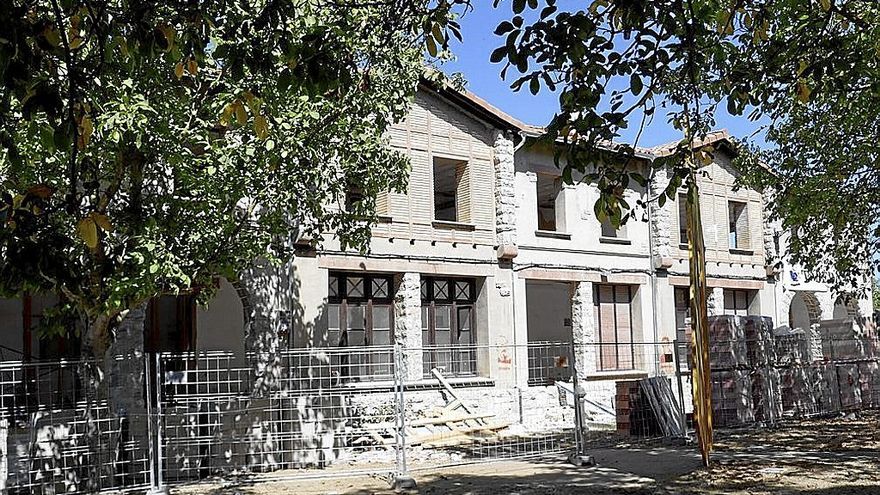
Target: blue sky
[[483, 78]]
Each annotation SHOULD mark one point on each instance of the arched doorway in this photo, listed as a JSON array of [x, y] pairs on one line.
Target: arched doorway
[[845, 308], [804, 310]]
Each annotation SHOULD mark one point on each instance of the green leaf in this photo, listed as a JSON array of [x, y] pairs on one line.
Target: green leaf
[[498, 54], [635, 84]]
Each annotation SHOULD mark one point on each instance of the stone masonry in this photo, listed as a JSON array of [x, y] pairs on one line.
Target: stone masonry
[[663, 224], [715, 301], [583, 329], [505, 195], [408, 323]]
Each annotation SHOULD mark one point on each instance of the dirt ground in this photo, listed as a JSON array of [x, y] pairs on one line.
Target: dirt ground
[[819, 457]]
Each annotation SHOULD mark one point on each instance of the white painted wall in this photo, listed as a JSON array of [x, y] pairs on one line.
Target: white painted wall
[[220, 325]]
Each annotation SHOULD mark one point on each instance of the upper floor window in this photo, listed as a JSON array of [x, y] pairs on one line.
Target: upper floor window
[[738, 233], [609, 231], [451, 184], [682, 219], [548, 189], [353, 197]]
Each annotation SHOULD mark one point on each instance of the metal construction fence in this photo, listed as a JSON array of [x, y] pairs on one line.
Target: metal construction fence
[[167, 419]]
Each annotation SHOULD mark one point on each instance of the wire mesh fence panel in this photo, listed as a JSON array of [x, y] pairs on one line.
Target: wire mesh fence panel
[[301, 409], [65, 433], [508, 405]]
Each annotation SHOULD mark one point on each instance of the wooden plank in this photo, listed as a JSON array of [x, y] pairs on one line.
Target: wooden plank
[[446, 386]]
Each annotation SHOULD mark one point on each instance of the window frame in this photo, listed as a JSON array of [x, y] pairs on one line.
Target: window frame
[[631, 292], [749, 299], [557, 185], [682, 220], [461, 200], [733, 228], [430, 302], [368, 302]]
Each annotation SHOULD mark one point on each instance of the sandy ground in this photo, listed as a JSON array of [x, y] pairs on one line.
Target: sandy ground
[[820, 457]]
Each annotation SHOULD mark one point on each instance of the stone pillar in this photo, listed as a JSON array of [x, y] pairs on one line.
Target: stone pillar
[[715, 301], [583, 329], [663, 221], [265, 293], [408, 324], [505, 195], [127, 374]]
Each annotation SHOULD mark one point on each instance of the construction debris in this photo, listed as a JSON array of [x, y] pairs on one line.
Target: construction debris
[[453, 424]]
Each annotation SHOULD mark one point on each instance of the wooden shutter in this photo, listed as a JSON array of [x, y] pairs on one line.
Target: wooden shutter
[[743, 237], [382, 203], [462, 192], [607, 333]]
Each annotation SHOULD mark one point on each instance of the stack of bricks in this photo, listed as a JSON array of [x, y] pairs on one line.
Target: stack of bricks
[[745, 388], [634, 414]]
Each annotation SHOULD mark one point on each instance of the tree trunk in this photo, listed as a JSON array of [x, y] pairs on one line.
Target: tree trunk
[[112, 380]]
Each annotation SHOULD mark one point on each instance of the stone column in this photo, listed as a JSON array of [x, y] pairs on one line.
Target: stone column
[[127, 374], [408, 323], [583, 329], [663, 222], [715, 301], [505, 195], [265, 293]]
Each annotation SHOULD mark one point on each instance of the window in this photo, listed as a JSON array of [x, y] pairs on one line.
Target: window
[[615, 323], [451, 184], [448, 325], [683, 315], [360, 315], [548, 188], [682, 219], [170, 324], [738, 216], [737, 301], [610, 232], [353, 197]]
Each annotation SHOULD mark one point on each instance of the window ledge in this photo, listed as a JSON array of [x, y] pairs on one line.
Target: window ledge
[[683, 246], [445, 224], [616, 374], [552, 234], [614, 240], [747, 252], [422, 384]]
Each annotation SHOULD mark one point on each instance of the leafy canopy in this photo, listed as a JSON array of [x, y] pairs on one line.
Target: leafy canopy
[[618, 63], [149, 146]]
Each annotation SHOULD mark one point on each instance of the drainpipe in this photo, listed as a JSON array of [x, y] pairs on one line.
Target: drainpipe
[[653, 271], [513, 283]]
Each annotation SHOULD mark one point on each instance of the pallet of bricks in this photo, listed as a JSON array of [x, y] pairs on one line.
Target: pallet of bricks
[[850, 357], [745, 385], [801, 380]]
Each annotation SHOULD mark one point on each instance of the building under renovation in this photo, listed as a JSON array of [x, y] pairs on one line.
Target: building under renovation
[[488, 271]]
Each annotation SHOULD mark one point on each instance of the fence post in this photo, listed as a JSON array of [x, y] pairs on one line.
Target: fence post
[[154, 426], [676, 355], [401, 479], [579, 457]]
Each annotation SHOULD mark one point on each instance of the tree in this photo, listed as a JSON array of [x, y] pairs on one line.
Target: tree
[[619, 62], [875, 294], [147, 147]]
